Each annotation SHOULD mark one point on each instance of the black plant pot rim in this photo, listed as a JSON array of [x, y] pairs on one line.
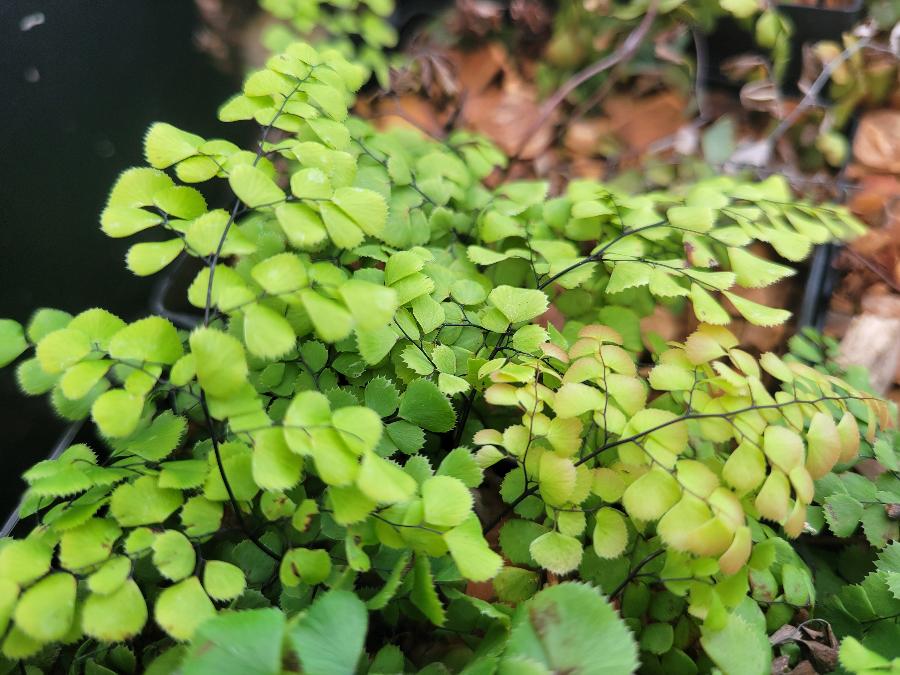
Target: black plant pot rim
[[854, 7]]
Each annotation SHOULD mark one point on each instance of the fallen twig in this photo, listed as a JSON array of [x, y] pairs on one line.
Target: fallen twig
[[624, 51], [810, 97], [876, 269]]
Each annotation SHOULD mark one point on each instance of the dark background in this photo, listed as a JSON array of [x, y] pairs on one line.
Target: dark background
[[76, 96]]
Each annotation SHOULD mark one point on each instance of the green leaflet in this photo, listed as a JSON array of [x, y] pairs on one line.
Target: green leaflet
[[117, 616], [46, 610], [219, 360], [173, 555], [573, 612], [157, 440], [151, 340], [123, 221], [200, 516], [757, 314], [515, 540], [651, 495], [474, 559], [181, 202], [281, 274], [254, 187], [365, 207], [691, 218], [275, 467], [88, 544], [856, 658], [461, 464], [45, 321], [165, 145], [329, 638], [82, 377], [518, 304], [842, 513], [248, 642], [328, 100], [424, 405], [331, 321], [302, 565], [267, 333], [311, 184], [137, 186], [23, 561], [222, 580], [211, 233], [61, 349], [182, 608], [755, 272], [372, 306], [446, 500], [343, 230], [32, 379], [143, 502], [149, 258], [301, 224], [556, 552], [627, 275], [423, 595], [383, 481], [12, 341], [707, 309], [117, 412], [382, 396], [610, 534], [110, 576], [237, 466], [740, 646], [391, 584], [515, 585]]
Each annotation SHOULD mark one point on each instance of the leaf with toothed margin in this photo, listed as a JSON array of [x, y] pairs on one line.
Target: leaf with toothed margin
[[330, 636], [757, 314], [471, 553], [424, 405], [182, 608], [165, 145], [423, 594], [254, 187], [571, 627], [12, 341]]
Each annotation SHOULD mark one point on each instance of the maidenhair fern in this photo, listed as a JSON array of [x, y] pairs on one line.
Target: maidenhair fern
[[294, 483]]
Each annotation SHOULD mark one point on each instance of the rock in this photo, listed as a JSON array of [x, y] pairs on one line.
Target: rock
[[874, 342], [883, 305]]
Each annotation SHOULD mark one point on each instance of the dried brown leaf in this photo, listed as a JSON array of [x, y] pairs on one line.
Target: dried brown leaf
[[786, 633], [877, 141], [761, 95], [531, 15], [803, 668], [825, 656], [507, 115], [742, 66], [477, 17]]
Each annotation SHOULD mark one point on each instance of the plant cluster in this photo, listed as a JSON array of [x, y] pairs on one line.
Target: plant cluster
[[371, 417], [360, 29], [584, 31], [853, 72]]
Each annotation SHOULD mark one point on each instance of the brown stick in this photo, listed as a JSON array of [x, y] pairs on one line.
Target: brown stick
[[876, 269], [625, 51], [817, 86]]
